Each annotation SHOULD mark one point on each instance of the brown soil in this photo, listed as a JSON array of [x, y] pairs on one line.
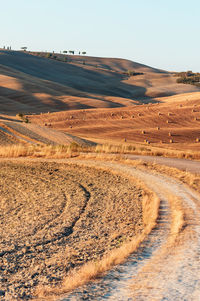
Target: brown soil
[[56, 217]]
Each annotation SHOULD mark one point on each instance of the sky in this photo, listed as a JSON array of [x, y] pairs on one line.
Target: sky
[[161, 33]]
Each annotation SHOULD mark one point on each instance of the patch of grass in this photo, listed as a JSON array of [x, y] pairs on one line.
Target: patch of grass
[[45, 151]]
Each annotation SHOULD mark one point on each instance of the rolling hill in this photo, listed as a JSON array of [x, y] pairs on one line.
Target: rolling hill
[[32, 83]]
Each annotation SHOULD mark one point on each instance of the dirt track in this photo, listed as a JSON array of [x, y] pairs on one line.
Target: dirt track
[[183, 164], [162, 270]]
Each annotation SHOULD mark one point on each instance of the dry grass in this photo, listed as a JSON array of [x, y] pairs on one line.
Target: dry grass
[[44, 151], [178, 221], [137, 149], [192, 180], [95, 269], [65, 151]]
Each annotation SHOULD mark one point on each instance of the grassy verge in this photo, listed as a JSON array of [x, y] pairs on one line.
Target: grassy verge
[[192, 180], [145, 150], [35, 151], [178, 217], [65, 151]]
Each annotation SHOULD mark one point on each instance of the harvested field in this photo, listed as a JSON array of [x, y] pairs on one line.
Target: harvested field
[[56, 217], [6, 139], [15, 132], [156, 124], [29, 85]]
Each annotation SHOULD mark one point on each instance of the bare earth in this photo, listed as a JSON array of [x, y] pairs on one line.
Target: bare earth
[[55, 217]]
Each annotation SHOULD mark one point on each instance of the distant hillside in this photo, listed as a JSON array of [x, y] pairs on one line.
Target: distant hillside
[[35, 83]]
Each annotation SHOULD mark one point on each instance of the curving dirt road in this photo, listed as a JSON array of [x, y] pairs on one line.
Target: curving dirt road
[[183, 164], [164, 268], [161, 270]]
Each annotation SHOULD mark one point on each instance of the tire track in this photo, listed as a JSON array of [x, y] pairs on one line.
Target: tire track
[[57, 236]]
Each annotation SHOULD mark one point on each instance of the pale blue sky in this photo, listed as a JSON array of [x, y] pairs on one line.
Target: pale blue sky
[[160, 33]]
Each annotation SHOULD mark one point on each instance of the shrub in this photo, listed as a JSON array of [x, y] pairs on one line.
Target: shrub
[[48, 55]]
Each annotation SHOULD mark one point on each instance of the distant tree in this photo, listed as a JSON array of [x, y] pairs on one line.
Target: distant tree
[[79, 53], [24, 48], [65, 51], [71, 51], [84, 52]]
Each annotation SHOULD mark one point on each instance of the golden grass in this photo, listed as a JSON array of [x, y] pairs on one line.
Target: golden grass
[[178, 221], [145, 150], [44, 151], [93, 270], [192, 180], [64, 151]]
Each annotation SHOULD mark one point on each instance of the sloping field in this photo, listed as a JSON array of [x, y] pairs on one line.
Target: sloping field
[[15, 132], [173, 124], [29, 83]]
